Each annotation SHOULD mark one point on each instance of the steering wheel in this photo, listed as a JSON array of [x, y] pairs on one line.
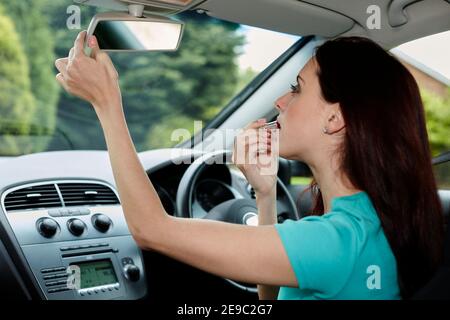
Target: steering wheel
[[239, 211]]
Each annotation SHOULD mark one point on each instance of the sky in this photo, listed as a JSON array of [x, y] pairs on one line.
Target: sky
[[432, 51], [264, 46]]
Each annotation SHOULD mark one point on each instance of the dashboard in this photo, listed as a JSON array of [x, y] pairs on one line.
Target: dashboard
[[62, 229]]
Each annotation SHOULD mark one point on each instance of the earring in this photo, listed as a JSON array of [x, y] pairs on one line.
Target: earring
[[325, 130]]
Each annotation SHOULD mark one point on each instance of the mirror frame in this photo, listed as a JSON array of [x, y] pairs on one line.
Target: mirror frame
[[122, 16]]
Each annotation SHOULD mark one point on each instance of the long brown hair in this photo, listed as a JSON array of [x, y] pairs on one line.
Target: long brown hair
[[385, 151]]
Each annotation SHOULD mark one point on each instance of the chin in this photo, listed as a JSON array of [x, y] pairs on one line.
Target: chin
[[282, 153], [287, 153]]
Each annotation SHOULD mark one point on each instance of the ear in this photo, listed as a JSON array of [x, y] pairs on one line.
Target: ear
[[334, 121]]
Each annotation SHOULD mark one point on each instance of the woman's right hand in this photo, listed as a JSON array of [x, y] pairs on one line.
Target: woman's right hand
[[92, 78], [255, 153]]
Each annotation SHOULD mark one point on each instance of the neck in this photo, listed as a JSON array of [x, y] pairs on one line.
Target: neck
[[331, 181]]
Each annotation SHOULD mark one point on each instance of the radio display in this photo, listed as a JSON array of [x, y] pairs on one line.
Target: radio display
[[96, 273]]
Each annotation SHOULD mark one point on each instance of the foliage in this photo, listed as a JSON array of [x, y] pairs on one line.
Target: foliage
[[437, 112], [36, 40], [17, 104]]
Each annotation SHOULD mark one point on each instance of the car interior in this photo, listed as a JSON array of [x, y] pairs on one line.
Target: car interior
[[60, 209]]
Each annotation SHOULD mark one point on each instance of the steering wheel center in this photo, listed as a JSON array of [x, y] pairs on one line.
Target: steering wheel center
[[239, 211]]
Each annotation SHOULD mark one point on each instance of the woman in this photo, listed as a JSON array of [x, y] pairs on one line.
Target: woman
[[356, 118]]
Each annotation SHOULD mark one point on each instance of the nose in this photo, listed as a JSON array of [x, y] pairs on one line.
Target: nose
[[281, 102]]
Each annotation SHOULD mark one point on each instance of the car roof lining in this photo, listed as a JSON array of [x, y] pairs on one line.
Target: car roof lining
[[285, 16], [401, 20]]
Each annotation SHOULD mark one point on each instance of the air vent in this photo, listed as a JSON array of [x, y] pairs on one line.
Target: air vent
[[78, 194], [42, 196]]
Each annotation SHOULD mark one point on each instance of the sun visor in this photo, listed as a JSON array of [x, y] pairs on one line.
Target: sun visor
[[287, 16]]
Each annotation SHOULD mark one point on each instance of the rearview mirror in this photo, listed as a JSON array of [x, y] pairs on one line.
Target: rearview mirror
[[117, 31]]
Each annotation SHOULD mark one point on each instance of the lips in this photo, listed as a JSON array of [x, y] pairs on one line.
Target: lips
[[278, 124]]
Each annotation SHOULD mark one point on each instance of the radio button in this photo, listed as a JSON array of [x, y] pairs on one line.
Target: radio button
[[74, 212], [47, 227], [127, 260], [132, 272], [101, 222], [85, 211], [54, 212], [76, 227]]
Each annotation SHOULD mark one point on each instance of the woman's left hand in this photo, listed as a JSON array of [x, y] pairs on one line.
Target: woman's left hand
[[93, 78]]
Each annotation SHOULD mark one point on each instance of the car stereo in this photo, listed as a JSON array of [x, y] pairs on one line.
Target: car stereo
[[80, 248]]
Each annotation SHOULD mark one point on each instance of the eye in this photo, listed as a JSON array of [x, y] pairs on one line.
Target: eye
[[295, 88]]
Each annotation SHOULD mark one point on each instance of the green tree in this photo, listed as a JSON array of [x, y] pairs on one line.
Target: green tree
[[76, 119], [36, 40], [160, 136], [437, 112], [17, 104]]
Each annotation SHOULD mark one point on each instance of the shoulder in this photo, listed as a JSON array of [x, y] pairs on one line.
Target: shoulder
[[332, 228], [352, 222], [323, 250]]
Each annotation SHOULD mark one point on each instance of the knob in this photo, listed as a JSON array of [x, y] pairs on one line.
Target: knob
[[101, 222], [47, 227], [132, 272], [76, 227]]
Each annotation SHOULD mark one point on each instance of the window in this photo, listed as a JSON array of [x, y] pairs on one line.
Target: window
[[427, 60], [161, 91], [442, 174]]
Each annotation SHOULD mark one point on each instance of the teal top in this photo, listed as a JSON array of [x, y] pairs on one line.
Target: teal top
[[343, 254]]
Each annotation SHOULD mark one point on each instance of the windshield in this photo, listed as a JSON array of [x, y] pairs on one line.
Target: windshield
[[161, 91]]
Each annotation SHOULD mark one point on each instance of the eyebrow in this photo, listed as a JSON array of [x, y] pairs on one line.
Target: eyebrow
[[299, 77]]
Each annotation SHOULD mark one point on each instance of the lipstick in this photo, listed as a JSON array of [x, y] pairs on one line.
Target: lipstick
[[272, 125]]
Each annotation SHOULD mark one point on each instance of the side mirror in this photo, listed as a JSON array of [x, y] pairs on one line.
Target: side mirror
[[119, 31]]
